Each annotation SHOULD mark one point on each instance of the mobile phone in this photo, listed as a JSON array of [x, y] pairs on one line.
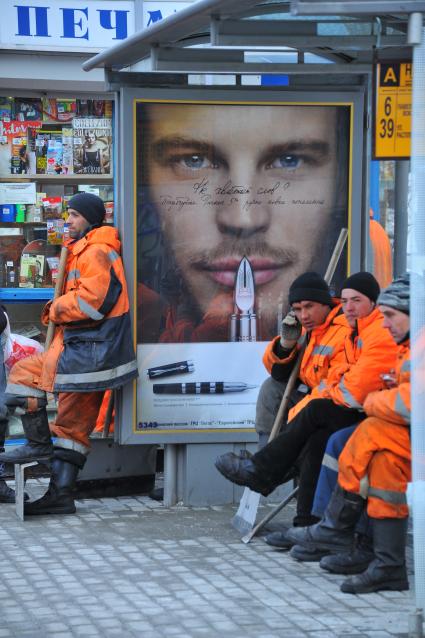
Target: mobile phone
[[387, 377]]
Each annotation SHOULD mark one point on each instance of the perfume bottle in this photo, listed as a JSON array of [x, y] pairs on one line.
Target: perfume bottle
[[10, 274]]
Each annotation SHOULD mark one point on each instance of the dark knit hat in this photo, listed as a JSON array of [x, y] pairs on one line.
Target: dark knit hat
[[397, 294], [89, 206], [363, 282], [310, 286]]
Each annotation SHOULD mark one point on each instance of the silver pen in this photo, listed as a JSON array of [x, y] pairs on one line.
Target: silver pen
[[243, 322], [201, 387]]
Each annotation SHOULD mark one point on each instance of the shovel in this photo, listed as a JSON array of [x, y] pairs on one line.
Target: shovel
[[244, 519], [57, 293]]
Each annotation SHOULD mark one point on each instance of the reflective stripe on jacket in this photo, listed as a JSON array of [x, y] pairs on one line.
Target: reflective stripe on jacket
[[325, 342], [93, 346]]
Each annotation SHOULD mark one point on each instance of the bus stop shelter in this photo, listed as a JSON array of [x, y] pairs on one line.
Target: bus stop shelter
[[300, 53]]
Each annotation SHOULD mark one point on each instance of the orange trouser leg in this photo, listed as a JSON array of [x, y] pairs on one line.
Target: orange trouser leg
[[24, 377], [76, 419], [376, 462], [389, 475]]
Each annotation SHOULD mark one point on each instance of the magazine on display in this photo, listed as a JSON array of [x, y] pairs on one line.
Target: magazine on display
[[16, 155], [92, 145]]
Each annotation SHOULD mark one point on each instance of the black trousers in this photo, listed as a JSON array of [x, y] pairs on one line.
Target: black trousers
[[302, 443]]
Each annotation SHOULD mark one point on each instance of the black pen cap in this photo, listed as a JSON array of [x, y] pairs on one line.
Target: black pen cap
[[170, 369]]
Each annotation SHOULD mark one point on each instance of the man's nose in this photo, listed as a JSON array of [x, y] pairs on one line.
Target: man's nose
[[243, 211], [243, 215]]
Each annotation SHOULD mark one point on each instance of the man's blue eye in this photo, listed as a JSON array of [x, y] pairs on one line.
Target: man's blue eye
[[194, 161], [287, 161]]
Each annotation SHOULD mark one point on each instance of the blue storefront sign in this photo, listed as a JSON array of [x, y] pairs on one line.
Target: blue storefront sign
[[69, 23]]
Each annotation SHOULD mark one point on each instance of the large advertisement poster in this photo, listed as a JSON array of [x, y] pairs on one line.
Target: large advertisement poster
[[234, 200]]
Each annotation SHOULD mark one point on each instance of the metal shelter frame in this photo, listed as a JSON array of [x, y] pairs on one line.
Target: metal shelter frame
[[373, 30]]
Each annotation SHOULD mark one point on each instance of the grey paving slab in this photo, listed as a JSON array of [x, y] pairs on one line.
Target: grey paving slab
[[129, 567]]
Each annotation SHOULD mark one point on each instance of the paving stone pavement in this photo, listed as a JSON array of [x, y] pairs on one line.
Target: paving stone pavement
[[129, 567]]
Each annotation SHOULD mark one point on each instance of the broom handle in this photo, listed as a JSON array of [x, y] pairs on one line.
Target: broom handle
[[108, 415], [57, 293], [333, 262]]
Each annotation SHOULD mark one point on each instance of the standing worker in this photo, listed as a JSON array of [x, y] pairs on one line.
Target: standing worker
[[92, 351]]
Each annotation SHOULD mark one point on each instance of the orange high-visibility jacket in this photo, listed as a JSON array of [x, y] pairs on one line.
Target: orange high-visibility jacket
[[324, 343], [93, 347], [369, 351], [393, 405], [381, 252], [376, 461]]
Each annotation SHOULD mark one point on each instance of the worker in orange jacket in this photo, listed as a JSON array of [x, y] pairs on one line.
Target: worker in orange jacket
[[381, 252], [92, 351], [316, 321], [336, 403], [375, 468]]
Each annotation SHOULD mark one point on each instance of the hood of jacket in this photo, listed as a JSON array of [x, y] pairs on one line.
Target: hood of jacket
[[102, 235]]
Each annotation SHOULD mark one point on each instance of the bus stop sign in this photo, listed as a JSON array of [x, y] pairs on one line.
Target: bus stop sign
[[393, 109]]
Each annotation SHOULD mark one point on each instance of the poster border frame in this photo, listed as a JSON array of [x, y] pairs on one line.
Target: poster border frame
[[130, 97]]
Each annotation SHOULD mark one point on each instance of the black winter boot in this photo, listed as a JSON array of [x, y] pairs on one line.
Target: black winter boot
[[39, 446], [59, 496], [354, 562], [307, 554], [7, 495], [336, 529], [242, 471], [388, 570], [279, 540]]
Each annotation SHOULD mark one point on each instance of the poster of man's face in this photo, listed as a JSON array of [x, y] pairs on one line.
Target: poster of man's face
[[219, 182]]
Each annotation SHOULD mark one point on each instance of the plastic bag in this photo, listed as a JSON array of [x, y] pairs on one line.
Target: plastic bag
[[17, 347]]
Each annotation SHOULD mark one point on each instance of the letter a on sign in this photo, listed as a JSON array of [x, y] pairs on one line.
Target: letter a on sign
[[390, 75]]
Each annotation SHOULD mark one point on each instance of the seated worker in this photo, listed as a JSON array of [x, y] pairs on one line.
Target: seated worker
[[336, 403], [92, 351], [374, 470], [325, 328]]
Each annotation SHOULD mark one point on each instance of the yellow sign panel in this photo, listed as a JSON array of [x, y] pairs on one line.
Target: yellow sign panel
[[393, 110]]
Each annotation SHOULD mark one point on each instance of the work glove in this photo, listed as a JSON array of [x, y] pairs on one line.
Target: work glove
[[290, 331]]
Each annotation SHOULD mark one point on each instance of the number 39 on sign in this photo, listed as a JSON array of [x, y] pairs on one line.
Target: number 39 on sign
[[393, 108]]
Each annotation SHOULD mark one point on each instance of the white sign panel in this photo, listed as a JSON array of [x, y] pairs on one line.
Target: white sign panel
[[69, 23], [17, 193], [228, 377], [156, 11]]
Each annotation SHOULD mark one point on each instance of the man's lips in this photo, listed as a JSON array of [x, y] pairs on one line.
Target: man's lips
[[223, 271]]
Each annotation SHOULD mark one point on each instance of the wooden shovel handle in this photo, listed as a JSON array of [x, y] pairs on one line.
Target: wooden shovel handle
[[108, 415], [333, 262], [57, 293]]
